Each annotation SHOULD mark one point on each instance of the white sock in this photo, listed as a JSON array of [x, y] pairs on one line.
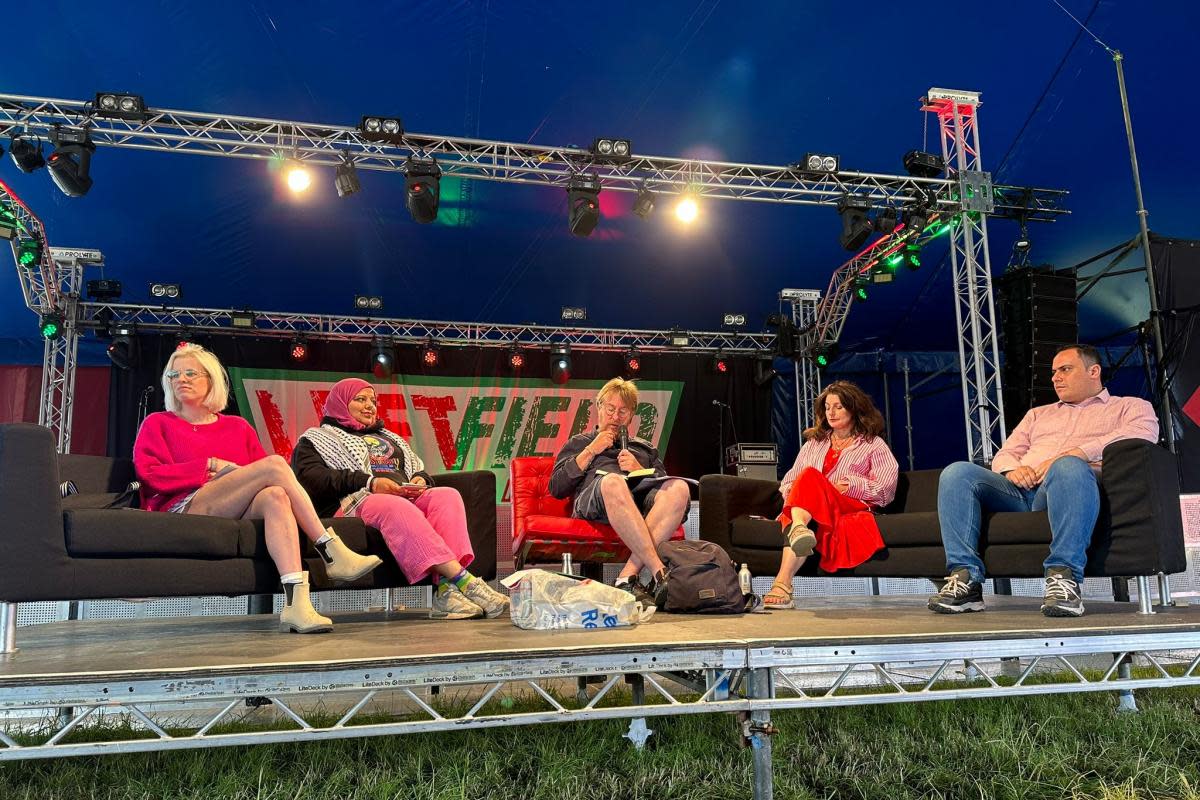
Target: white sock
[[326, 537], [294, 577]]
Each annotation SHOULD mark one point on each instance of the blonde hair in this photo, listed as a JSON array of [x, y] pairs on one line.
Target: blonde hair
[[218, 384], [626, 390]]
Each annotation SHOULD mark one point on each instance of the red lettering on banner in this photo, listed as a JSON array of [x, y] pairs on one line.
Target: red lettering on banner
[[273, 419], [394, 412], [319, 396], [1192, 407], [438, 408]]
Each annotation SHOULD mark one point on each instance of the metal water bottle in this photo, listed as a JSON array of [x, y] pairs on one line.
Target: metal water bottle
[[744, 579]]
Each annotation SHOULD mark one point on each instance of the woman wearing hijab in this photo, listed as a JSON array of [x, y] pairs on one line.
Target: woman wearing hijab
[[354, 466]]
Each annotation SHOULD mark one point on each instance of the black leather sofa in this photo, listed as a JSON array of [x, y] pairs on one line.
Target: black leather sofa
[[1139, 531], [74, 548]]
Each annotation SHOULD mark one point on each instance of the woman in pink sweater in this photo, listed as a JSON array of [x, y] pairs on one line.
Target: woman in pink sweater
[[191, 459]]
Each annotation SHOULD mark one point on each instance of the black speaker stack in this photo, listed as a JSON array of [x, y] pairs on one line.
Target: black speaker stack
[[1039, 314]]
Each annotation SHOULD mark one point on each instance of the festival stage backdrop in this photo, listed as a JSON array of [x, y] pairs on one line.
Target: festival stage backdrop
[[452, 423], [1177, 278]]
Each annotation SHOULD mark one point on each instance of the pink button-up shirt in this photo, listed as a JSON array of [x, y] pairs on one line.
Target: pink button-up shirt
[[1090, 425]]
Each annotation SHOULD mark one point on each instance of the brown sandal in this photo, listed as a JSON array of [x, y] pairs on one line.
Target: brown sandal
[[781, 593]]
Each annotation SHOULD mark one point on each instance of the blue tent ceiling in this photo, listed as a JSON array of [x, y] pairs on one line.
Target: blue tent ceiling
[[755, 82]]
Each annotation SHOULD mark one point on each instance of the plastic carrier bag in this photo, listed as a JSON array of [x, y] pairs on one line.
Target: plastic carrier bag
[[545, 601]]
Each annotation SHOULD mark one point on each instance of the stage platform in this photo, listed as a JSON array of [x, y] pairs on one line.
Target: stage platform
[[181, 682]]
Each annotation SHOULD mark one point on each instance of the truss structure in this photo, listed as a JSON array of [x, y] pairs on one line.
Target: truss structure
[[805, 305]]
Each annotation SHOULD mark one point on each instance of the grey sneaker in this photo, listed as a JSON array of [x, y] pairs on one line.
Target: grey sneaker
[[452, 604], [1062, 594], [492, 602], [958, 593]]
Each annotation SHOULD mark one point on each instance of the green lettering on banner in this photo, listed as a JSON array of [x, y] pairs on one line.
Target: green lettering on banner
[[508, 437], [473, 427], [583, 415], [538, 428], [649, 421]]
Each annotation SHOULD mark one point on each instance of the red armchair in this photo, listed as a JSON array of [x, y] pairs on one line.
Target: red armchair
[[543, 528]]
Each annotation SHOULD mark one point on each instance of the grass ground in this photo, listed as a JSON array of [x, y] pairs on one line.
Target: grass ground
[[1074, 746]]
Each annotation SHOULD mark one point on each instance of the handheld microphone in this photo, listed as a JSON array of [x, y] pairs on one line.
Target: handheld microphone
[[623, 438], [719, 403]]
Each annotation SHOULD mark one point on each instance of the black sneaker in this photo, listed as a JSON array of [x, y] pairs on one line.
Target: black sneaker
[[635, 588], [1062, 594], [957, 594]]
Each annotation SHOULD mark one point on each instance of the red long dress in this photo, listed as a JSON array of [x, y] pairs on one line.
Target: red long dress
[[845, 527]]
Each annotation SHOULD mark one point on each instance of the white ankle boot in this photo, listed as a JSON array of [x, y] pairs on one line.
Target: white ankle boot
[[298, 615], [342, 563]]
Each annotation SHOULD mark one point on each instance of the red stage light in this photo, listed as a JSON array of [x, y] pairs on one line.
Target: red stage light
[[722, 366], [516, 360], [299, 352], [429, 357], [634, 364]]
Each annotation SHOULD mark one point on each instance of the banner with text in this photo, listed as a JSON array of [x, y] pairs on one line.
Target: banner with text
[[453, 423]]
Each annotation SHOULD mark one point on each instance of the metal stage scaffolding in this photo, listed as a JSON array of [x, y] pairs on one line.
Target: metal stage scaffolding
[[208, 682]]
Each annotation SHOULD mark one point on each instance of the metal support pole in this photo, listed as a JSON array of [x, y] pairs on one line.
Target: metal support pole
[[8, 628], [1160, 388], [759, 735], [887, 401], [1125, 699], [260, 604], [1145, 601], [908, 417], [1164, 590]]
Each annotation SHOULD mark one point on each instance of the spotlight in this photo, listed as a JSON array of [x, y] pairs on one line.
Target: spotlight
[[679, 338], [421, 184], [382, 129], [430, 354], [633, 362], [856, 227], [298, 176], [885, 272], [720, 364], [785, 338], [912, 256], [686, 210], [123, 350], [886, 219], [24, 154], [916, 218], [104, 289], [368, 302], [51, 325], [560, 363], [861, 282], [71, 161], [28, 252], [574, 313], [345, 179], [734, 320], [166, 291], [241, 319], [818, 165], [824, 354], [516, 359], [616, 150], [644, 204], [923, 165], [298, 350], [1022, 244], [8, 224], [383, 362], [117, 105], [583, 204]]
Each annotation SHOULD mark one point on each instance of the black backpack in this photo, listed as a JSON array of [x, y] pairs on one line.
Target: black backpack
[[701, 579]]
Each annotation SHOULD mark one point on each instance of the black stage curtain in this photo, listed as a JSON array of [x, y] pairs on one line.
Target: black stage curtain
[[692, 450], [1177, 275]]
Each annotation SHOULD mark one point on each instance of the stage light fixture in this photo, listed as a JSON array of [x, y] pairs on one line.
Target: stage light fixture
[[632, 361], [679, 338], [104, 289], [51, 325], [123, 351], [786, 334], [883, 272], [382, 129], [818, 165], [923, 165], [368, 302], [28, 252], [241, 319], [297, 175], [733, 320], [431, 355], [824, 354], [516, 359], [383, 361], [583, 204], [298, 349], [686, 210], [1022, 244], [166, 291], [720, 364], [616, 150], [345, 179], [560, 363], [861, 282], [71, 162], [25, 154], [422, 189], [574, 313], [9, 226], [643, 206], [856, 226], [912, 257], [886, 219], [119, 105]]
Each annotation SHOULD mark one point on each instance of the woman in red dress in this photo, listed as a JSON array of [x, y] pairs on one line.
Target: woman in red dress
[[843, 472]]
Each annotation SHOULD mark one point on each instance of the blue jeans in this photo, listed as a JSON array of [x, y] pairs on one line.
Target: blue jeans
[[1069, 493]]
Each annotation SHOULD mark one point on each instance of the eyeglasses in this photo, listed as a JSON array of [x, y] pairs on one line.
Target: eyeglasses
[[190, 374], [614, 411]]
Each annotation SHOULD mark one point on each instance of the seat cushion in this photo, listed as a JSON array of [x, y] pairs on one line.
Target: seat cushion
[[915, 529], [1017, 527], [128, 533]]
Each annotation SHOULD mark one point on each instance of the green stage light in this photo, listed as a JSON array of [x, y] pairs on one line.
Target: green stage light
[[29, 253], [51, 325], [912, 257], [893, 261], [861, 282], [824, 354]]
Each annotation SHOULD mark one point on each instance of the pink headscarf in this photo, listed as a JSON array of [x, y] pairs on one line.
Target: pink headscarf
[[337, 405]]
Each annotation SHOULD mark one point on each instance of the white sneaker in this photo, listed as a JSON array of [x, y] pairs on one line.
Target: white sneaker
[[492, 602], [452, 604]]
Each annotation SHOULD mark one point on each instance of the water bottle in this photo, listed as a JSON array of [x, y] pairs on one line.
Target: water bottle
[[744, 579]]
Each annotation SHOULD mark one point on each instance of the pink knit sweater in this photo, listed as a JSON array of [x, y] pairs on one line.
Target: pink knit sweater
[[171, 455]]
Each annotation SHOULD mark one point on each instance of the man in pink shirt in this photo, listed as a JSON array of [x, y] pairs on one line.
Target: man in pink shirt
[[1049, 463]]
